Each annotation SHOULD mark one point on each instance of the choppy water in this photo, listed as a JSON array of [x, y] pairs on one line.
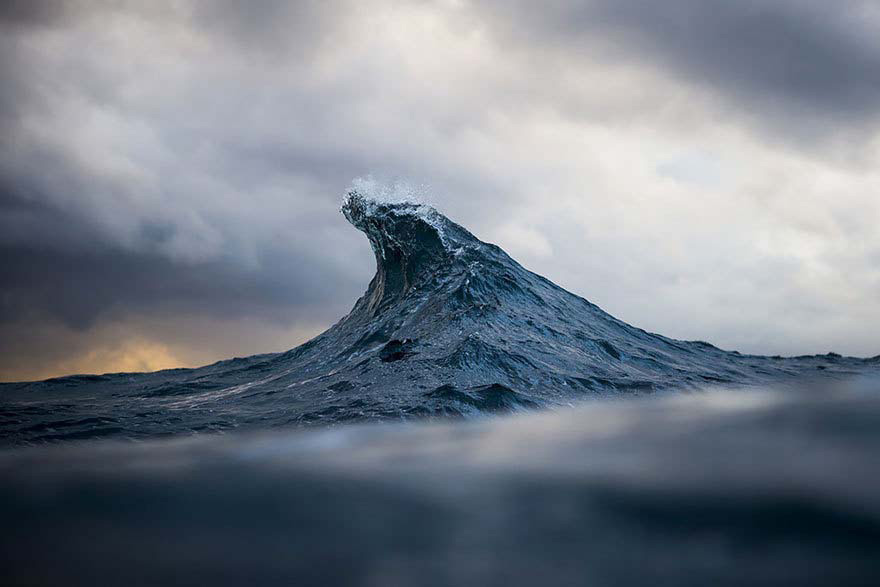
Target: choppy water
[[716, 488]]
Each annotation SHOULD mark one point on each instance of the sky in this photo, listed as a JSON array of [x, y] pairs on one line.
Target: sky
[[171, 171]]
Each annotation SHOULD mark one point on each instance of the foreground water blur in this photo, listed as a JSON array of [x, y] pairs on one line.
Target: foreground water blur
[[712, 488]]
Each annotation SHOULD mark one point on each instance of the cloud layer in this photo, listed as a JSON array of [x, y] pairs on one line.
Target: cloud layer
[[170, 172]]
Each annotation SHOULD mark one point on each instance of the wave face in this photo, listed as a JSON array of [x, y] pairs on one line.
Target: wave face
[[449, 326]]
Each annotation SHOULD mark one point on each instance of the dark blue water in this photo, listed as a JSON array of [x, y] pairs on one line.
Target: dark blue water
[[543, 442]]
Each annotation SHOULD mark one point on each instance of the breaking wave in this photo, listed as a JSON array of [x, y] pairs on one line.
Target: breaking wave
[[449, 325]]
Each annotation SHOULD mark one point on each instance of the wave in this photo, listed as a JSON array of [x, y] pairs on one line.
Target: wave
[[444, 311]]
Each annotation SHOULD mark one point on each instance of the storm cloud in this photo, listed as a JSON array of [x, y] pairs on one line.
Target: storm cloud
[[807, 67], [170, 172]]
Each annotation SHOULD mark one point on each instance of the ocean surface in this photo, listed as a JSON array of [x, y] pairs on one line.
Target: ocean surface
[[467, 423], [769, 487]]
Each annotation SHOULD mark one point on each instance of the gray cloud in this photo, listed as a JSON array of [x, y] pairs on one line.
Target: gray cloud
[[18, 13], [132, 220], [273, 26], [801, 68]]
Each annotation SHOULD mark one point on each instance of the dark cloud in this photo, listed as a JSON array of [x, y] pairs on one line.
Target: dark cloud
[[17, 13], [78, 291], [115, 204], [270, 26], [798, 67]]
